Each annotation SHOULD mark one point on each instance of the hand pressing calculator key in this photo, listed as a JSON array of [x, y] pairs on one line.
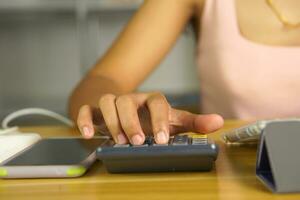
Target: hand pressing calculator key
[[182, 153]]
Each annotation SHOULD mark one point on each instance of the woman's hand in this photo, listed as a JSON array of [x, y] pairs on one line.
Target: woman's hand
[[132, 116], [150, 35]]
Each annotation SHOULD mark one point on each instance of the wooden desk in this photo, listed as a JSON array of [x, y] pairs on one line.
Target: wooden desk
[[232, 178]]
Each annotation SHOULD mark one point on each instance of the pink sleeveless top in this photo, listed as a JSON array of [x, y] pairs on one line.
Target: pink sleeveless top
[[243, 79]]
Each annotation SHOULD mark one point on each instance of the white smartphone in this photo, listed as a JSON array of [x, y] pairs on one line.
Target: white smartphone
[[52, 158]]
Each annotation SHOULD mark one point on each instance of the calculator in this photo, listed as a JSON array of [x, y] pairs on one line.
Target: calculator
[[182, 153]]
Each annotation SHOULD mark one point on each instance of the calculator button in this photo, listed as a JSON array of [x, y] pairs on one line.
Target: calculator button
[[180, 140], [199, 139], [199, 136], [149, 140], [171, 140], [121, 145], [160, 145], [199, 142], [143, 145]]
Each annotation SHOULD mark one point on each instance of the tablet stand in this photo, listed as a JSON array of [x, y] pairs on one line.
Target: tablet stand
[[278, 157]]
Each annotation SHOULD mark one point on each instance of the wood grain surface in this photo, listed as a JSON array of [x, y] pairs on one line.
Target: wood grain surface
[[232, 178]]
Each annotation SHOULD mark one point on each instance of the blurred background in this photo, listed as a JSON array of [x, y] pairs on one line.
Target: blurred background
[[46, 46]]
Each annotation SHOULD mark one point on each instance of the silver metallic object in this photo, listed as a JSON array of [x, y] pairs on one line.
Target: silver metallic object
[[249, 133]]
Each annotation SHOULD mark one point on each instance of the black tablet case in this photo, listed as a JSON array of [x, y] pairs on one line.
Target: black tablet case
[[278, 157]]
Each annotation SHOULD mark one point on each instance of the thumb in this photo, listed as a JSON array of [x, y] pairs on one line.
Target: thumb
[[183, 121]]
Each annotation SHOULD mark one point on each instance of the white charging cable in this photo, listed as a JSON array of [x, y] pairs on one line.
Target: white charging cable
[[31, 111]]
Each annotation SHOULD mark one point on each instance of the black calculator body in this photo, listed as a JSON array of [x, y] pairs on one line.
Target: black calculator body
[[182, 153]]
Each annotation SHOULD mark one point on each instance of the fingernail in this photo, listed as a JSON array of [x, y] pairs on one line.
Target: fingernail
[[121, 139], [137, 139], [162, 137], [87, 132]]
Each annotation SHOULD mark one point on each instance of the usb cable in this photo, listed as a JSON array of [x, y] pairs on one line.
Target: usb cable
[[31, 111]]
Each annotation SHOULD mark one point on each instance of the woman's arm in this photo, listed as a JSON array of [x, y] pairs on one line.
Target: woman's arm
[[144, 42], [140, 47]]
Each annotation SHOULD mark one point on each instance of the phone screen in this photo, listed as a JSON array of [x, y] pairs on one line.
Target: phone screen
[[58, 151]]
